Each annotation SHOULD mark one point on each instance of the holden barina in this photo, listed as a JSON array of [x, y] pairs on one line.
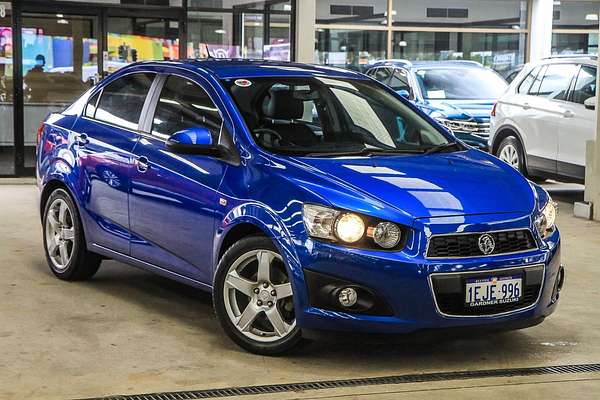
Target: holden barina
[[306, 199]]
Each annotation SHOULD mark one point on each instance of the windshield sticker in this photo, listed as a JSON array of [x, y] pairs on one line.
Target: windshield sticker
[[244, 83], [436, 94]]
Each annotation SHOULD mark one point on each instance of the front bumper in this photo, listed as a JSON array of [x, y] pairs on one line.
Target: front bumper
[[403, 282]]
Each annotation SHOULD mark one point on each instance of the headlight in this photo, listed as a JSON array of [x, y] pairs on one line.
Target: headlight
[[546, 220], [351, 228]]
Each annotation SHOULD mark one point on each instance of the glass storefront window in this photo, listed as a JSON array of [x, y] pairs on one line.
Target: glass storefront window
[[211, 32], [250, 29], [137, 39], [500, 51], [7, 138], [461, 13], [576, 14], [353, 49], [373, 12], [575, 43], [60, 62]]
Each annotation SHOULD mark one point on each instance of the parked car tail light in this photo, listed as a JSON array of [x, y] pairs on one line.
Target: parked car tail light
[[493, 114], [40, 132]]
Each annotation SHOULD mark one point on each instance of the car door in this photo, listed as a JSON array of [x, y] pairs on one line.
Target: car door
[[173, 196], [107, 134], [580, 127], [544, 114]]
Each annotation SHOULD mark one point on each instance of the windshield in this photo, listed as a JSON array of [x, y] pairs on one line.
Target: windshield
[[321, 116], [460, 83]]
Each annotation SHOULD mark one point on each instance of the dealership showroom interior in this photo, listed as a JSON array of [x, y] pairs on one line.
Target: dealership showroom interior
[[299, 199]]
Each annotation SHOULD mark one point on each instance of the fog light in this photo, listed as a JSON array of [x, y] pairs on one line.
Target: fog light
[[347, 297]]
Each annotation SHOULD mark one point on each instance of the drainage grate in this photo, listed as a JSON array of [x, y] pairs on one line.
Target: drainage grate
[[343, 383]]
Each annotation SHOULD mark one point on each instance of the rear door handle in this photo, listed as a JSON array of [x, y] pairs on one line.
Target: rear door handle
[[81, 139], [526, 106], [142, 164]]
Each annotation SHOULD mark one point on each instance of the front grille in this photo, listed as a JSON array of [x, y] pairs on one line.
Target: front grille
[[449, 291], [481, 129], [467, 244]]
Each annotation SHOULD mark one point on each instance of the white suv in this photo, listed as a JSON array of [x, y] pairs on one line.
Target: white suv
[[540, 125]]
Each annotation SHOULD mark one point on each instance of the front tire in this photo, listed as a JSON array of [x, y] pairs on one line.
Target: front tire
[[64, 240], [253, 298]]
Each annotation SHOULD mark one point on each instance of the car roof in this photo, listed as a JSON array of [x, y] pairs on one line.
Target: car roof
[[428, 64], [226, 68]]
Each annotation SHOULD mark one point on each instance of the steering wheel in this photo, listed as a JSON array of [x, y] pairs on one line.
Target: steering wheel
[[260, 132]]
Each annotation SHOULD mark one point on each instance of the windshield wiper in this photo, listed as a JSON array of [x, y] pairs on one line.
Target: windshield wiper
[[441, 147], [363, 152]]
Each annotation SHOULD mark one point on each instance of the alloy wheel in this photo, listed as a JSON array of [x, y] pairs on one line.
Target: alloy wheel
[[258, 296], [510, 155], [60, 234]]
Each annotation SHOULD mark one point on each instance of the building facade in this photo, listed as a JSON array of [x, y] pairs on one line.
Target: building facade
[[51, 51]]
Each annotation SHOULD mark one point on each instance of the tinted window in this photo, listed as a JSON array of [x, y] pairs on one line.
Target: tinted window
[[182, 105], [585, 87], [399, 80], [318, 115], [555, 84], [122, 100], [528, 81], [537, 81], [90, 109], [460, 83]]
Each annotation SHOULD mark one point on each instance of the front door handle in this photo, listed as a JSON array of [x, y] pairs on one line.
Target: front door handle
[[81, 139], [142, 164], [568, 114], [526, 106]]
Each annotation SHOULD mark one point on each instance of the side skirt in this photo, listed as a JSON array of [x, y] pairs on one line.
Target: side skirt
[[115, 255]]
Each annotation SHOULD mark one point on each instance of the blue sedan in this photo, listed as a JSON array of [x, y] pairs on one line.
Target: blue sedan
[[306, 199]]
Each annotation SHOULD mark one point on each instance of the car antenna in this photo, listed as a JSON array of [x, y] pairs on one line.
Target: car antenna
[[210, 57]]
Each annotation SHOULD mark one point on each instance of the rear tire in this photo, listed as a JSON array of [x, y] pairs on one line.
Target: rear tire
[[511, 152], [64, 240], [253, 298]]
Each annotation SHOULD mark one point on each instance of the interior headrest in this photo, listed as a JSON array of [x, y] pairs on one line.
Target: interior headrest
[[280, 104]]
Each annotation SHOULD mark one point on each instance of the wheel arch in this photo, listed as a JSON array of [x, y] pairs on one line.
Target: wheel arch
[[504, 132], [250, 220]]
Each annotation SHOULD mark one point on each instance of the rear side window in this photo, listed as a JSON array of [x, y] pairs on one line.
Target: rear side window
[[556, 81], [122, 101], [585, 86], [382, 74], [528, 81], [399, 80], [183, 105], [90, 108]]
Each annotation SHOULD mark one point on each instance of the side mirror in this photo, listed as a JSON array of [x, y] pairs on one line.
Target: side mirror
[[196, 140], [404, 93], [590, 103]]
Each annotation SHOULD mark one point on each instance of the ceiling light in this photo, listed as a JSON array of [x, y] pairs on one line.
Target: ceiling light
[[59, 16], [220, 31], [591, 17]]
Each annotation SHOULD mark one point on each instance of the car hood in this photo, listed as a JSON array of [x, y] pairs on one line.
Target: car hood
[[423, 186], [461, 109]]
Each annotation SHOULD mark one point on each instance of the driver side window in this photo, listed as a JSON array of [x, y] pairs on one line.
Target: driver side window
[[183, 105]]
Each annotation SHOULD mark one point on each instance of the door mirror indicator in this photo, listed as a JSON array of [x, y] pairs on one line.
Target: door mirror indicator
[[197, 140], [590, 103]]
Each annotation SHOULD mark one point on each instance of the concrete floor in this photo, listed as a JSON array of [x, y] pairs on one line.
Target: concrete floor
[[128, 331]]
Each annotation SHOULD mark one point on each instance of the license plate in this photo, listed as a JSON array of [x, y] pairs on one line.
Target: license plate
[[491, 291]]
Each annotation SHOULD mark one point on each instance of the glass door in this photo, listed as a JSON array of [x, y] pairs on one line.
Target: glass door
[[132, 39], [60, 62], [7, 137]]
